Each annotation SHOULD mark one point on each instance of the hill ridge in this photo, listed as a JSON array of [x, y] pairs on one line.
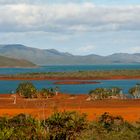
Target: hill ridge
[[55, 57], [12, 62]]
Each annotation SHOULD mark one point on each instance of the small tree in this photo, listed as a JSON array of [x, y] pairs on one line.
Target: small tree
[[44, 93], [66, 125], [105, 93], [27, 90], [135, 91], [111, 123], [115, 90]]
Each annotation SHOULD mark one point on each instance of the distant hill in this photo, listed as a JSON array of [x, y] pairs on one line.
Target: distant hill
[[54, 57], [10, 62]]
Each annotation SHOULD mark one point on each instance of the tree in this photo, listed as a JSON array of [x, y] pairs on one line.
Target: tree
[[135, 91], [66, 125], [27, 90], [116, 90], [44, 93], [56, 89], [110, 122], [105, 93]]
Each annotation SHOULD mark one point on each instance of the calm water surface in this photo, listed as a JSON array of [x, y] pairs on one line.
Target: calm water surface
[[68, 68], [8, 86]]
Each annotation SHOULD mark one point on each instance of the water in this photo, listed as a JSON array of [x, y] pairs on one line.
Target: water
[[69, 68], [8, 86]]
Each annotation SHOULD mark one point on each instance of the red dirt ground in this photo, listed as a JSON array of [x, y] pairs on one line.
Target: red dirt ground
[[72, 82], [42, 108], [69, 78]]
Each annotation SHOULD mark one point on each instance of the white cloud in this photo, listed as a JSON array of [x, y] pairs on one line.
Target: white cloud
[[134, 49], [87, 49], [71, 17], [7, 2]]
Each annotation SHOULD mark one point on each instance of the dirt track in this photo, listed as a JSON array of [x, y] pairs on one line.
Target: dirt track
[[129, 109]]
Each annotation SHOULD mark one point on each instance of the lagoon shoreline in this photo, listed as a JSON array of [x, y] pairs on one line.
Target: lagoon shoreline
[[69, 78]]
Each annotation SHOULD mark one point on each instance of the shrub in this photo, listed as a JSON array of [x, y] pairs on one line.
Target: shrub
[[27, 90], [21, 127], [66, 125]]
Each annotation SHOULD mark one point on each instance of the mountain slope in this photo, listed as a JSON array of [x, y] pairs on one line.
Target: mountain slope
[[10, 62], [54, 57], [123, 58]]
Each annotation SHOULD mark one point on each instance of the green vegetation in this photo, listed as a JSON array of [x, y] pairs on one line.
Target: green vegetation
[[68, 126], [115, 92], [135, 91], [28, 90], [82, 74], [106, 93], [11, 62], [21, 127], [47, 93], [109, 127]]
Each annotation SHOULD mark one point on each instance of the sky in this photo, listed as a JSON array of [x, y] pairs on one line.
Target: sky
[[80, 27]]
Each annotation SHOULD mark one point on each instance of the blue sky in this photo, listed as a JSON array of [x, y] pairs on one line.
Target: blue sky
[[80, 26]]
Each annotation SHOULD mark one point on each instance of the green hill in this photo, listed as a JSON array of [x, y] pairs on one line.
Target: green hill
[[11, 62]]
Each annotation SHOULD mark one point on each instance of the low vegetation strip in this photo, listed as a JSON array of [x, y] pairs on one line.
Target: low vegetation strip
[[81, 75], [68, 126]]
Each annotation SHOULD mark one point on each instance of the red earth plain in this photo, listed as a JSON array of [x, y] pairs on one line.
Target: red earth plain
[[129, 109]]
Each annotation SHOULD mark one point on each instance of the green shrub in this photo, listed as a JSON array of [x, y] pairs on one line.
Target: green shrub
[[66, 125], [27, 90]]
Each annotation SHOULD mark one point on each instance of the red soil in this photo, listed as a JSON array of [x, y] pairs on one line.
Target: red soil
[[75, 82], [43, 108], [69, 78]]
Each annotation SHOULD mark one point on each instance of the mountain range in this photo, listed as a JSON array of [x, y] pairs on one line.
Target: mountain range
[[11, 62], [54, 57]]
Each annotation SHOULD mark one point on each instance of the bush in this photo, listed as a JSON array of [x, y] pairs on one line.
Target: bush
[[66, 125], [20, 127], [110, 127], [27, 90], [105, 93]]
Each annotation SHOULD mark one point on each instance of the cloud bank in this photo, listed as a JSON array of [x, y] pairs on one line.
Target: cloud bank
[[67, 18], [7, 2]]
